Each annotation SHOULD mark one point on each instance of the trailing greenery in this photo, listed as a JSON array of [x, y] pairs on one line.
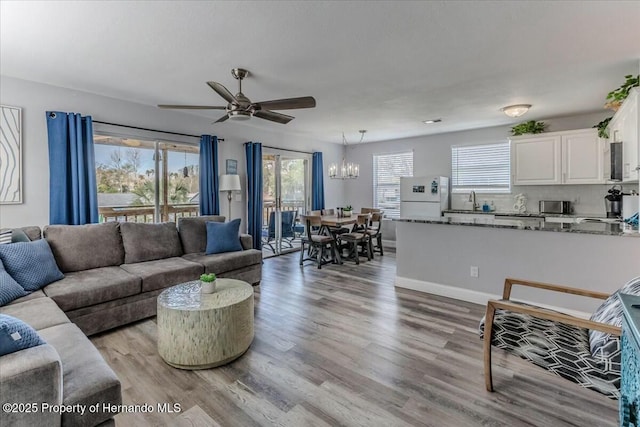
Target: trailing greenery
[[208, 278], [622, 92], [528, 127], [602, 127]]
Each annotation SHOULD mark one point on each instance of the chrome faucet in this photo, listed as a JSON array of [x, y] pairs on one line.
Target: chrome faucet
[[472, 198]]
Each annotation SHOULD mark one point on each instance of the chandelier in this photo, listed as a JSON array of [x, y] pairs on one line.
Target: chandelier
[[347, 170]]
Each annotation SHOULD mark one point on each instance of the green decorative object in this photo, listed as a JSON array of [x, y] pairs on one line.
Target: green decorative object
[[347, 208], [602, 128], [208, 278], [616, 97], [528, 127]]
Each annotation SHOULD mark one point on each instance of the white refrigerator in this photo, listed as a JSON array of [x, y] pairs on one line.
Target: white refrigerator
[[423, 197]]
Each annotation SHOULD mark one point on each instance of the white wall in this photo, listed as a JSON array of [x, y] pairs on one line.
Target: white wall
[[35, 99]]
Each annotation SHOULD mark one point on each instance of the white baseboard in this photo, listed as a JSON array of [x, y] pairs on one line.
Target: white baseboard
[[389, 243], [469, 295]]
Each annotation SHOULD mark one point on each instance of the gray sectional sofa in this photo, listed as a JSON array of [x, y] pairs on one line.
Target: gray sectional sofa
[[113, 274]]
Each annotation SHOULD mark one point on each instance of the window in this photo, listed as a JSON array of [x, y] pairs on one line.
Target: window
[[133, 186], [483, 168], [387, 170]]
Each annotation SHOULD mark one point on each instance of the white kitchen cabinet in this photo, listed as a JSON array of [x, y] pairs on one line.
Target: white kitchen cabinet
[[624, 127], [570, 157]]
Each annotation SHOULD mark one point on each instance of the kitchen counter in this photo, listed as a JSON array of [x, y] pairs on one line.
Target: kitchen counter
[[596, 228], [524, 215]]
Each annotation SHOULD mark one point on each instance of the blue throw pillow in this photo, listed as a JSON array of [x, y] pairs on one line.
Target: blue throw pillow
[[16, 335], [9, 288], [31, 264], [223, 237]]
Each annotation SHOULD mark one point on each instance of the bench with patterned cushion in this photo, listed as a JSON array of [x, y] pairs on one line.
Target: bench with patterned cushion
[[587, 357]]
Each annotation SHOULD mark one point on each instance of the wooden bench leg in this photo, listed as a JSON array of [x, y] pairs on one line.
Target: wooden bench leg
[[488, 329]]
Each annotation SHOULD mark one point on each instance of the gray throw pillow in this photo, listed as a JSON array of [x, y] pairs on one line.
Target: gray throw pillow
[[31, 264]]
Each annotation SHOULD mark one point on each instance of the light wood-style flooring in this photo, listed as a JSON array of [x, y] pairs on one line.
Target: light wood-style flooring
[[342, 346]]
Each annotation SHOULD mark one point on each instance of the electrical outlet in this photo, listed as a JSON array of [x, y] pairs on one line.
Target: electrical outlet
[[474, 271]]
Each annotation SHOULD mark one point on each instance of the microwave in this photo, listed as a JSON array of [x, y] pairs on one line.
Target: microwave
[[616, 161]]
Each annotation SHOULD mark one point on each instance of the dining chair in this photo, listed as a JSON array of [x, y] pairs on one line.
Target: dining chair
[[335, 230], [315, 213], [328, 212], [358, 237], [370, 210], [374, 230], [317, 243]]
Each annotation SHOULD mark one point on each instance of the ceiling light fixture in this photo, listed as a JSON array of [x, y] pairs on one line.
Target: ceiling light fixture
[[515, 110], [428, 122], [348, 170]]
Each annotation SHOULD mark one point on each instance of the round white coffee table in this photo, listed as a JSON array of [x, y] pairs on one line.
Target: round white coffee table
[[200, 331]]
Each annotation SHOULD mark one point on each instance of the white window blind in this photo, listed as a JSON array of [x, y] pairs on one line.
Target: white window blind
[[387, 170], [482, 168]]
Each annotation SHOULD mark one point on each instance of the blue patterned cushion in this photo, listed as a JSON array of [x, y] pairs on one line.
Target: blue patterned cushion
[[16, 335], [223, 237], [31, 264], [9, 288], [601, 343]]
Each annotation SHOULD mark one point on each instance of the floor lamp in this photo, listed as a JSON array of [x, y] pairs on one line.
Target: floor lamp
[[230, 183]]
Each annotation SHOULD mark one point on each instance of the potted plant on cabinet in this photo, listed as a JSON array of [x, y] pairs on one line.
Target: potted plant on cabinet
[[208, 283], [528, 127], [616, 97]]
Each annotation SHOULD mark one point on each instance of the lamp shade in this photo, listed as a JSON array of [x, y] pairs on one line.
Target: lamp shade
[[230, 183]]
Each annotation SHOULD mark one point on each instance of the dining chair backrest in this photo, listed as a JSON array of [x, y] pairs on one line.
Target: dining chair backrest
[[369, 210], [315, 213], [362, 220], [328, 212], [310, 222]]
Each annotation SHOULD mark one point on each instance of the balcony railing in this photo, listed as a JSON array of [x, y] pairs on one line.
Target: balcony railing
[[145, 213], [269, 206]]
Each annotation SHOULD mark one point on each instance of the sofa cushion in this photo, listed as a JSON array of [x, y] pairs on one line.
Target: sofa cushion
[[40, 313], [83, 247], [193, 232], [228, 261], [87, 379], [85, 288], [9, 289], [18, 236], [223, 237], [28, 297], [166, 272], [31, 264], [603, 344], [147, 242], [33, 232], [16, 335]]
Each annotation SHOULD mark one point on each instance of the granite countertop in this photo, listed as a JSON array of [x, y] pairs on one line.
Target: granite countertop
[[597, 228], [524, 215]]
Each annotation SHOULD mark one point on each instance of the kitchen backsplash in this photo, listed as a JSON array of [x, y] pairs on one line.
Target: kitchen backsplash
[[585, 199]]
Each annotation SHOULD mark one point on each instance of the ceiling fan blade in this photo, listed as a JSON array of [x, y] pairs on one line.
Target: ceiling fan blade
[[222, 119], [273, 116], [192, 107], [223, 92], [288, 103]]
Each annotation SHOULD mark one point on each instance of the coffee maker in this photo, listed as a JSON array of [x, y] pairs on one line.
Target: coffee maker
[[614, 202]]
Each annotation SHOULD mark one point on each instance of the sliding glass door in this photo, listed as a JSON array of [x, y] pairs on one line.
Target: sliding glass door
[[286, 194]]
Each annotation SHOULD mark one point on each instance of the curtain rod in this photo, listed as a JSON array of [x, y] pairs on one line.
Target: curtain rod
[[286, 149], [150, 130]]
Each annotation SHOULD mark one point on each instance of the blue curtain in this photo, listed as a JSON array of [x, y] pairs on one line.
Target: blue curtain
[[253, 152], [73, 193], [317, 182], [209, 202]]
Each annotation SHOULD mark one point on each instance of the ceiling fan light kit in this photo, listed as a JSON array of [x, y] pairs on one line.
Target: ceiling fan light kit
[[347, 170], [515, 110], [240, 108]]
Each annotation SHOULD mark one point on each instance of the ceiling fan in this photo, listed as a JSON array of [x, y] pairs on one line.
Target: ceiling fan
[[239, 107]]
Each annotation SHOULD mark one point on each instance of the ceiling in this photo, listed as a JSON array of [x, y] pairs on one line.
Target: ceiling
[[380, 66]]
